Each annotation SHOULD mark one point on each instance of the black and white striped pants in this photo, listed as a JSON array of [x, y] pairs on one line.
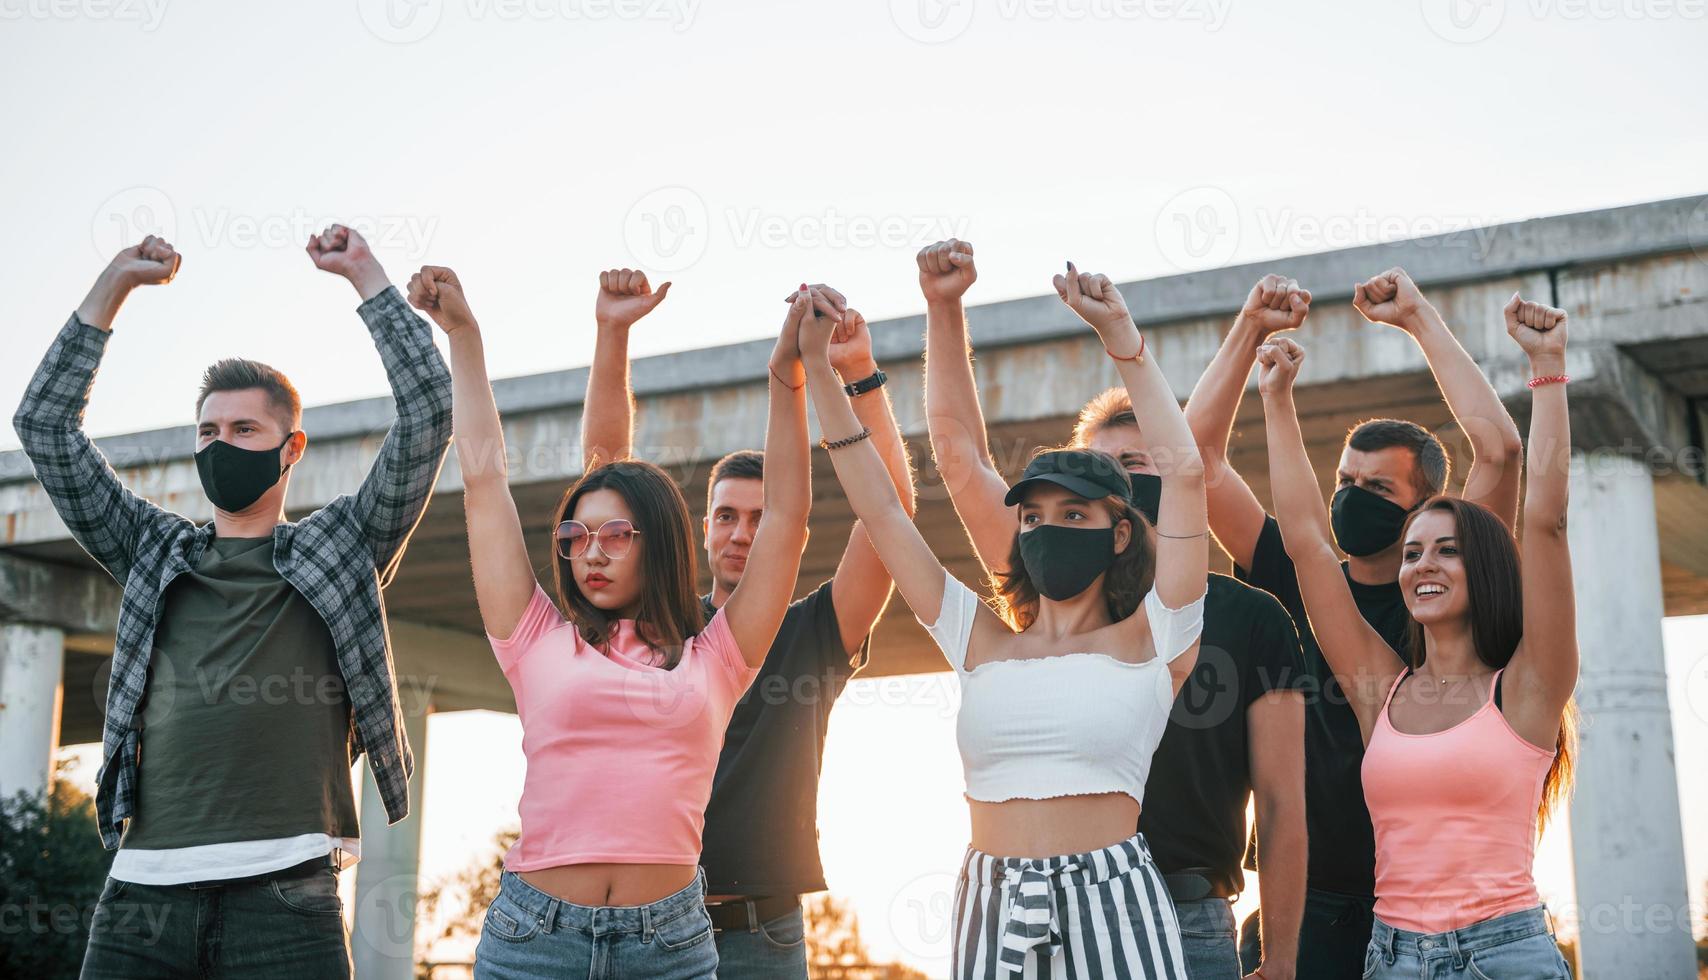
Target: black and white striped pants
[[1104, 914]]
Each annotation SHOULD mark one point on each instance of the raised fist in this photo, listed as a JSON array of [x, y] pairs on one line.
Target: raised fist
[[1096, 300], [437, 292], [1390, 298], [1540, 330], [624, 297], [152, 262], [1276, 303], [946, 270], [1278, 361], [342, 251]]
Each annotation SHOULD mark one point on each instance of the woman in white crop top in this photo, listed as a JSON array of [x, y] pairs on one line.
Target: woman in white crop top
[[1065, 699]]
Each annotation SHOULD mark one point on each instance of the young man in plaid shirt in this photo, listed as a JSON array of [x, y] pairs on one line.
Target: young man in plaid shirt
[[251, 663]]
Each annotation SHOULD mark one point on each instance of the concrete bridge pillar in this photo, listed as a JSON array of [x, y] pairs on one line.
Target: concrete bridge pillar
[[1627, 842], [31, 660], [383, 940]]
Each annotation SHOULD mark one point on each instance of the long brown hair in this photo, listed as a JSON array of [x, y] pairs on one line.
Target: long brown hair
[[1494, 591], [1124, 584], [670, 609]]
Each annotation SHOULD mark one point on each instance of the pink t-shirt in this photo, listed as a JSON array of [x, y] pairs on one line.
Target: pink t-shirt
[[620, 752]]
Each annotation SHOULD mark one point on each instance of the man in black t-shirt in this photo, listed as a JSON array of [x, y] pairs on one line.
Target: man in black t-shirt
[[1237, 728], [1387, 468], [760, 843]]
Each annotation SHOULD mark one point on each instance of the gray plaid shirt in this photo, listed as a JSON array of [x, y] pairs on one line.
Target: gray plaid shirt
[[339, 557]]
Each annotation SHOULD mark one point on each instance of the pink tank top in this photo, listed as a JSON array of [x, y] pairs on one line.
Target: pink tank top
[[1455, 819], [620, 752]]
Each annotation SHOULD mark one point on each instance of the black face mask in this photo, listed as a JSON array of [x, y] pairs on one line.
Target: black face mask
[[1147, 494], [233, 477], [1364, 523], [1062, 562]]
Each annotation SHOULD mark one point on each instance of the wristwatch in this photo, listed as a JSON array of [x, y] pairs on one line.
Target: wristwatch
[[864, 385]]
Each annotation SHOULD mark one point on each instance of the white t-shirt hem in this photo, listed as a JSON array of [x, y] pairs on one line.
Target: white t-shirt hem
[[237, 859]]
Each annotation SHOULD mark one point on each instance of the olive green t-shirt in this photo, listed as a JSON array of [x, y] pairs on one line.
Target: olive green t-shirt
[[246, 723]]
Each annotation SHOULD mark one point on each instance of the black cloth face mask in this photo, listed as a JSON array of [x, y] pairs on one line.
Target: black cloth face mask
[[1365, 523], [1062, 562], [1147, 494], [233, 477]]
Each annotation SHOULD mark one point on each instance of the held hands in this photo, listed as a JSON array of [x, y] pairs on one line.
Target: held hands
[[1391, 298], [437, 292], [946, 270], [153, 262], [1540, 330], [851, 348], [624, 297], [1278, 362], [1100, 305], [1276, 303]]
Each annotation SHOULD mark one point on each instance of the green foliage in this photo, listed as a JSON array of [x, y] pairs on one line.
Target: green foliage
[[52, 868]]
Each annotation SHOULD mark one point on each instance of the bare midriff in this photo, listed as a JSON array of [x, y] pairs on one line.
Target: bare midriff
[[1059, 825], [596, 885]]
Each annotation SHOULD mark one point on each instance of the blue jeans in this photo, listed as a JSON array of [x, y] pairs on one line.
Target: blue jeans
[[1519, 944], [777, 950], [1207, 937], [280, 929], [529, 934], [1333, 934]]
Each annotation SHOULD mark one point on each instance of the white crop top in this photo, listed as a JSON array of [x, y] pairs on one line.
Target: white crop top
[[1067, 725]]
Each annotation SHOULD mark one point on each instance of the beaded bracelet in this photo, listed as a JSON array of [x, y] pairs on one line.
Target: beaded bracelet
[[864, 433], [1551, 379]]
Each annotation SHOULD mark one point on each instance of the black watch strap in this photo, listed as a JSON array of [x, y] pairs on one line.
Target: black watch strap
[[864, 385]]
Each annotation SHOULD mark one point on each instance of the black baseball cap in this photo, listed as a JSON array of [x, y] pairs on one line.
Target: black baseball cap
[[1090, 474]]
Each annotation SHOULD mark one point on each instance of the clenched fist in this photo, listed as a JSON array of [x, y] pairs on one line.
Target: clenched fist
[[1390, 298], [1539, 329], [1276, 303], [1279, 359], [437, 292], [152, 262], [946, 270], [1099, 304], [624, 297]]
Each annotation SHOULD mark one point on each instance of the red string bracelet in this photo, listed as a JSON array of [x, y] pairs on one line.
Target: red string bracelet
[[1138, 358], [1550, 379], [785, 384]]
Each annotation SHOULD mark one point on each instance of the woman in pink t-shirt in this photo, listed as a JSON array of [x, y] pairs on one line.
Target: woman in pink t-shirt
[[1468, 747], [623, 689]]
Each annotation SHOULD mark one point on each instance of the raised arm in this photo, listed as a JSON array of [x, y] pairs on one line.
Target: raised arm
[[1497, 454], [504, 580], [103, 516], [1544, 670], [1361, 660], [608, 410], [952, 414], [1182, 547], [399, 484], [755, 609], [1236, 516], [861, 588]]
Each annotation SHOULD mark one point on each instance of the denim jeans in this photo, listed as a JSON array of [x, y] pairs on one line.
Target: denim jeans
[[1519, 944], [1207, 937], [280, 929], [777, 950], [1333, 935], [529, 934]]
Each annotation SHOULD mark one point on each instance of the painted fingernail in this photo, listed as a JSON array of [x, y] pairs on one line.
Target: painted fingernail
[[803, 287]]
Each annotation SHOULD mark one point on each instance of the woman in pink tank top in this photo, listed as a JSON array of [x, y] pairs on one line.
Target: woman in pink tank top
[[623, 689], [1468, 748]]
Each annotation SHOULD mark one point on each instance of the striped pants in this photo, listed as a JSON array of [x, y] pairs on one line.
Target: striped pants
[[1105, 914]]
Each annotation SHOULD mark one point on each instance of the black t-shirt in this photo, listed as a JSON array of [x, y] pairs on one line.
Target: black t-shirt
[[1194, 810], [1342, 845], [761, 835]]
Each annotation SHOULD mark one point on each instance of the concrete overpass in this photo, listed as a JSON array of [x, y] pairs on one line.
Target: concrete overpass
[[1635, 280]]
